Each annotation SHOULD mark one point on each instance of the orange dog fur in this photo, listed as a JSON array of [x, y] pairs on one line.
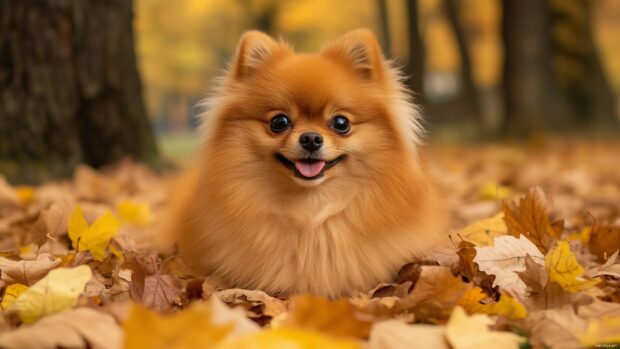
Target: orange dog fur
[[255, 221]]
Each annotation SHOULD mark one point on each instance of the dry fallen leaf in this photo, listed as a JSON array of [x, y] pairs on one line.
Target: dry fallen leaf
[[192, 328], [483, 232], [78, 328], [338, 318], [472, 302], [530, 218], [27, 272], [288, 338], [11, 293], [395, 334], [564, 269], [58, 291], [151, 288], [138, 214], [94, 238], [434, 295], [611, 267], [472, 332], [202, 325], [271, 306], [505, 259]]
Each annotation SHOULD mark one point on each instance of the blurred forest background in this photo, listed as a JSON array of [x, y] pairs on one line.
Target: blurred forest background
[[91, 81], [480, 67]]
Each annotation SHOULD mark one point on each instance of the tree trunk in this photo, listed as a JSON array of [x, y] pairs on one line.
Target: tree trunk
[[415, 67], [384, 23], [578, 67], [531, 97], [468, 101], [69, 88]]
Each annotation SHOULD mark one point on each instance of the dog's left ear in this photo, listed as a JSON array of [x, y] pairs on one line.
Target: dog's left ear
[[359, 50]]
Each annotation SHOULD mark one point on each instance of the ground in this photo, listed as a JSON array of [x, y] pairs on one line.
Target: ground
[[533, 262]]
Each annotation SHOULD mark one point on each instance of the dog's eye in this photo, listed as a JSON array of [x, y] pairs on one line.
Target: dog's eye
[[340, 124], [279, 123]]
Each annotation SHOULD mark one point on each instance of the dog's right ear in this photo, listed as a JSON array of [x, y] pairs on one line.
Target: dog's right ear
[[254, 50]]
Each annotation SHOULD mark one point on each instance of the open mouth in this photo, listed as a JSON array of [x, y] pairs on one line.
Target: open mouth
[[308, 169]]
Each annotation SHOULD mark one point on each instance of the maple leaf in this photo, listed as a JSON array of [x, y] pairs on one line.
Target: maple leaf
[[472, 332], [335, 317], [564, 269], [472, 302], [505, 259], [59, 290], [138, 214], [434, 295], [150, 287], [530, 218], [76, 328], [94, 238]]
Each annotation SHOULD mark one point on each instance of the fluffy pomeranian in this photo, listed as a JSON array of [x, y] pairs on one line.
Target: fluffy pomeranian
[[308, 178]]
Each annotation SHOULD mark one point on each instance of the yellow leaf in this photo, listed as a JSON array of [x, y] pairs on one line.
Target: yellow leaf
[[25, 194], [599, 331], [288, 338], [334, 317], [506, 306], [563, 268], [11, 293], [138, 214], [94, 238], [191, 328], [472, 332], [509, 307], [59, 290], [482, 233], [583, 235], [494, 191]]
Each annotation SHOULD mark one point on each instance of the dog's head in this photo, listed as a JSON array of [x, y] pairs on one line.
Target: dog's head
[[308, 119]]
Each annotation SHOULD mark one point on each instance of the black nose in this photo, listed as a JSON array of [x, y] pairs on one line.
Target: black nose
[[311, 141]]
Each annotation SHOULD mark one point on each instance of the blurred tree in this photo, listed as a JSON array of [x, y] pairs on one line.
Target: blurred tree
[[384, 23], [69, 88], [576, 63], [531, 96], [467, 102], [415, 66]]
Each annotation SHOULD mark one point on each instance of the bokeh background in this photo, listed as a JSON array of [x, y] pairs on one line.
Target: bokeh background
[[93, 81], [562, 72]]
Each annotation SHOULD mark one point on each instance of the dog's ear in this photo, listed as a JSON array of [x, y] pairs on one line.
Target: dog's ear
[[359, 50], [254, 50]]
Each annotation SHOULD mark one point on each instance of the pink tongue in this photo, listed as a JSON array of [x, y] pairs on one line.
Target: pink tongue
[[310, 168]]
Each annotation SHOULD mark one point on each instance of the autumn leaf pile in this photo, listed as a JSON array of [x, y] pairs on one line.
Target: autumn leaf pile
[[533, 263]]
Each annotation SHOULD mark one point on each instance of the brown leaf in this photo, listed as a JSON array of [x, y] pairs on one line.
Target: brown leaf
[[434, 295], [77, 328], [530, 218], [27, 272], [392, 290], [467, 253], [604, 240], [150, 287], [261, 303]]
